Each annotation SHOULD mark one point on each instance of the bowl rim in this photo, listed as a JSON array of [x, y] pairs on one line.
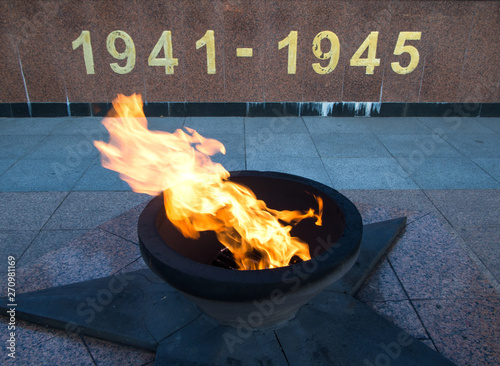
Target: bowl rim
[[207, 281]]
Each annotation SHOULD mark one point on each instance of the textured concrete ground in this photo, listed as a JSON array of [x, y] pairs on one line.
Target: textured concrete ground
[[53, 190]]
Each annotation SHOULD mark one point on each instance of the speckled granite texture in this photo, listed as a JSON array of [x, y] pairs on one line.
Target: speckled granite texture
[[457, 58]]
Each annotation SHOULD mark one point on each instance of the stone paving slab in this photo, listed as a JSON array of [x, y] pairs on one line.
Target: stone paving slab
[[311, 168], [492, 123], [352, 145], [365, 173], [6, 164], [476, 145], [28, 210], [448, 173], [74, 147], [30, 126], [90, 128], [85, 210], [490, 166], [47, 241], [167, 124], [467, 207], [47, 174], [484, 241], [405, 200], [415, 146], [335, 125], [15, 147], [273, 146], [468, 337], [396, 125], [97, 178], [382, 286], [267, 125], [107, 353], [208, 126], [456, 125]]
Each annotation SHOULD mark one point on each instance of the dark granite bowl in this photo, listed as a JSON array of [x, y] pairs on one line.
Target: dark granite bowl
[[228, 294]]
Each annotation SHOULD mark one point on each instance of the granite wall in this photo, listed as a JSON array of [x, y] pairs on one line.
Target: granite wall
[[259, 51]]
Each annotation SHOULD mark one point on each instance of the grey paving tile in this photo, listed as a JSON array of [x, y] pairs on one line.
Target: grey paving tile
[[485, 242], [431, 263], [42, 175], [107, 353], [417, 145], [6, 164], [396, 125], [233, 142], [405, 199], [93, 255], [47, 241], [208, 125], [168, 124], [27, 210], [15, 242], [89, 127], [476, 145], [367, 173], [311, 168], [271, 125], [125, 225], [335, 125], [491, 123], [467, 207], [382, 285], [230, 162], [451, 125], [97, 178], [29, 126], [490, 166], [86, 210], [465, 331], [14, 147], [280, 145], [353, 145], [63, 346], [448, 173], [29, 334], [73, 147]]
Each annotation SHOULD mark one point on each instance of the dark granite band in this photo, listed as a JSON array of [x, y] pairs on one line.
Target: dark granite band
[[188, 109]]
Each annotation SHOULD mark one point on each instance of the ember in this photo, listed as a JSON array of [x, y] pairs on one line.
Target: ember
[[197, 193]]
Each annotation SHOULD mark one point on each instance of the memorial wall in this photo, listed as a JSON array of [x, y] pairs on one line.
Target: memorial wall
[[79, 53]]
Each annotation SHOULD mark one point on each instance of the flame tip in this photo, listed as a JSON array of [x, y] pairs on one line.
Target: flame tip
[[198, 194]]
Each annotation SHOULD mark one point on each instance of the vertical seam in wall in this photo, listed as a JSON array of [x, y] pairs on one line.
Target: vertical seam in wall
[[421, 79], [24, 81]]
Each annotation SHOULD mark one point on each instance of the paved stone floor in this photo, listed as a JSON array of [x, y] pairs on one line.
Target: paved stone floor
[[442, 289]]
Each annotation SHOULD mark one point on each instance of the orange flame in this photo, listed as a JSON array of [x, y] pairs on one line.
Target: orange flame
[[197, 194]]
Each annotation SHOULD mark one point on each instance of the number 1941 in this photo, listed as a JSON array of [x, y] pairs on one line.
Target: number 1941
[[168, 61]]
